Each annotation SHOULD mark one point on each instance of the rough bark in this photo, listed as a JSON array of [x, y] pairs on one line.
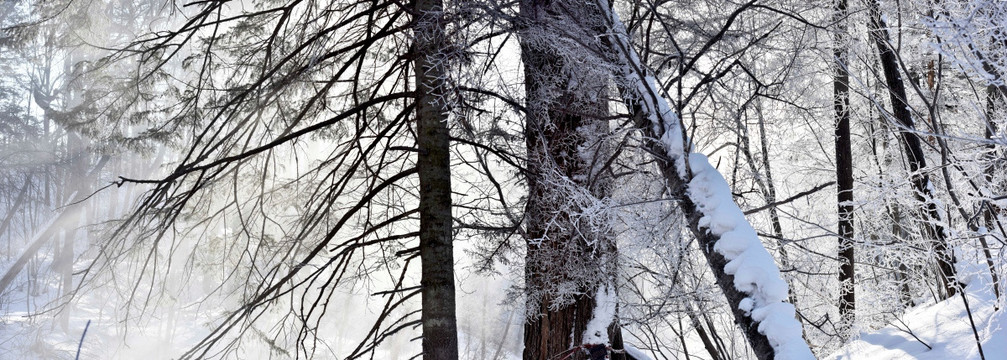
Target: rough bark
[[440, 330], [996, 103], [913, 149], [564, 263], [844, 168]]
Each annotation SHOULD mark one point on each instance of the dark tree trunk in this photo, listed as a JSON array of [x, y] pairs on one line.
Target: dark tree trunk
[[996, 103], [440, 332], [913, 150], [566, 259], [844, 169]]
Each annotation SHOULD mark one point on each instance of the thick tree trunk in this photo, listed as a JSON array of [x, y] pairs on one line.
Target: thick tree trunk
[[996, 103], [844, 169], [567, 257], [913, 149], [440, 329]]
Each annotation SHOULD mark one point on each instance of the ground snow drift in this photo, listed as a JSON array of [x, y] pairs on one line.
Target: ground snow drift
[[944, 326]]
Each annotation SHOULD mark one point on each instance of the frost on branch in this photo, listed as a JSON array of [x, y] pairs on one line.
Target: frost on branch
[[758, 289]]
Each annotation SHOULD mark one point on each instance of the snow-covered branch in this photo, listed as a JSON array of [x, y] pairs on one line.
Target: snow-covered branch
[[744, 269]]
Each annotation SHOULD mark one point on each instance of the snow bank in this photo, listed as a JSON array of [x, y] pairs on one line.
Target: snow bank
[[944, 326]]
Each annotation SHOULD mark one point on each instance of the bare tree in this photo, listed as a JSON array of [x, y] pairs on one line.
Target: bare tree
[[902, 114], [844, 166]]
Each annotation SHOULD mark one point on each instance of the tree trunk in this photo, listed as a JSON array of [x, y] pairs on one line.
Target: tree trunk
[[13, 209], [664, 137], [440, 332], [61, 219], [996, 103], [913, 149], [567, 256], [844, 170]]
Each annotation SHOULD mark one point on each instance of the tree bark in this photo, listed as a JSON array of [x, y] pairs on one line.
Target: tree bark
[[440, 329], [996, 103], [566, 257], [844, 169]]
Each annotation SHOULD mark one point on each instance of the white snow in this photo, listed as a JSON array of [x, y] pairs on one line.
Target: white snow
[[755, 272], [604, 314], [944, 326], [636, 353]]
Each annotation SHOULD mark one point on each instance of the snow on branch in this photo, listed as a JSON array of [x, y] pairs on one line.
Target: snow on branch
[[759, 291]]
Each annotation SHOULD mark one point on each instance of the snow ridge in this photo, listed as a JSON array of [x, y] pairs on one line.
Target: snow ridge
[[754, 270]]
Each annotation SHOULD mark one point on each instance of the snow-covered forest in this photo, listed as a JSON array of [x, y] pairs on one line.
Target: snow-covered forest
[[488, 179]]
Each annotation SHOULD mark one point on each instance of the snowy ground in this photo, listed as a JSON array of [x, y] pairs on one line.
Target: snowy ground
[[943, 326]]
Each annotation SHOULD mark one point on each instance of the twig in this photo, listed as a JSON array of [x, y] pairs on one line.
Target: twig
[[81, 343], [910, 332], [792, 198]]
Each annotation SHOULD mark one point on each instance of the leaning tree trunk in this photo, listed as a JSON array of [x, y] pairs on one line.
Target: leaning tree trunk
[[570, 259], [913, 149], [64, 218], [440, 330], [844, 169], [743, 269]]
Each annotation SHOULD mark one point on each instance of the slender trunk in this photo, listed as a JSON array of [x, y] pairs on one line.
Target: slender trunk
[[844, 170], [440, 332], [914, 151], [13, 209], [76, 181], [711, 347], [767, 187]]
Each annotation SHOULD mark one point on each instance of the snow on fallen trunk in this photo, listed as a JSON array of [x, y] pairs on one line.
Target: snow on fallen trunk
[[743, 268], [755, 273]]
